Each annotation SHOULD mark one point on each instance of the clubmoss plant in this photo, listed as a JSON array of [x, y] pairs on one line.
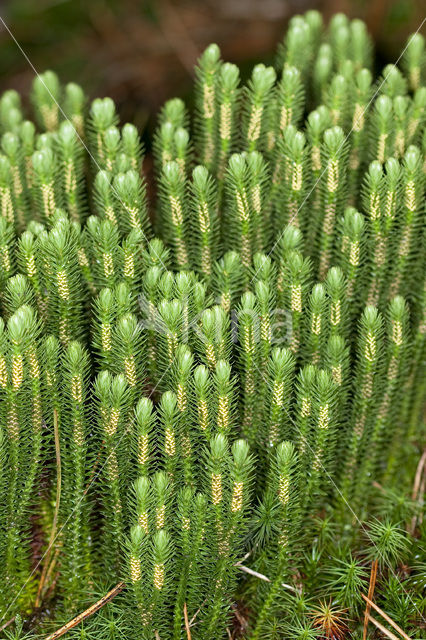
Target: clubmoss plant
[[211, 399]]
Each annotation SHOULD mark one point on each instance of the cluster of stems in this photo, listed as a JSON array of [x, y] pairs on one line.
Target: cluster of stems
[[187, 391]]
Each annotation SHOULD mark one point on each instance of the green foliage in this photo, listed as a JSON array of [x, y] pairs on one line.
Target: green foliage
[[227, 416]]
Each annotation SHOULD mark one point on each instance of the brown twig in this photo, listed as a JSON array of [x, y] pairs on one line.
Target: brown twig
[[185, 617], [6, 624], [52, 586], [418, 475], [417, 486], [88, 612], [55, 515], [372, 585], [191, 622], [386, 617], [422, 493], [46, 587], [383, 629]]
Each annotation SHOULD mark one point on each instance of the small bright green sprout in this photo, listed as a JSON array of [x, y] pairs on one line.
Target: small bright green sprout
[[205, 223], [351, 258], [164, 150], [70, 153], [228, 93], [360, 45], [338, 308], [174, 112], [46, 95], [214, 336], [102, 116], [174, 212], [382, 129], [9, 101], [412, 192], [413, 59], [258, 196], [11, 147], [387, 542], [257, 94], [239, 214], [18, 292], [299, 45], [223, 397], [291, 195], [390, 205], [294, 281], [44, 187], [416, 116], [290, 98], [359, 128], [277, 407], [6, 191], [337, 362], [265, 300], [182, 150], [7, 253], [170, 432], [206, 98], [317, 324], [132, 146], [322, 71], [104, 248], [394, 84], [75, 106], [333, 181], [130, 193], [337, 100], [145, 425], [227, 280]]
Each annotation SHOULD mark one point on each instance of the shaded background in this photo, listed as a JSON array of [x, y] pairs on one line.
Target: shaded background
[[142, 52]]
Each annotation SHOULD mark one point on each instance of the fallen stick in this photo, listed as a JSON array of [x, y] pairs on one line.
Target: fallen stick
[[383, 629], [386, 617], [185, 615], [417, 489], [88, 612], [371, 587], [6, 624]]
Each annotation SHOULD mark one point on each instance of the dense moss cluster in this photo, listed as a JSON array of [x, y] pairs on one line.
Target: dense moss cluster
[[215, 397]]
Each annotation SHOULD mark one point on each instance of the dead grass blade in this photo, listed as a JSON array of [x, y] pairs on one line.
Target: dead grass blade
[[417, 487], [386, 617], [372, 585], [383, 629], [185, 616]]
